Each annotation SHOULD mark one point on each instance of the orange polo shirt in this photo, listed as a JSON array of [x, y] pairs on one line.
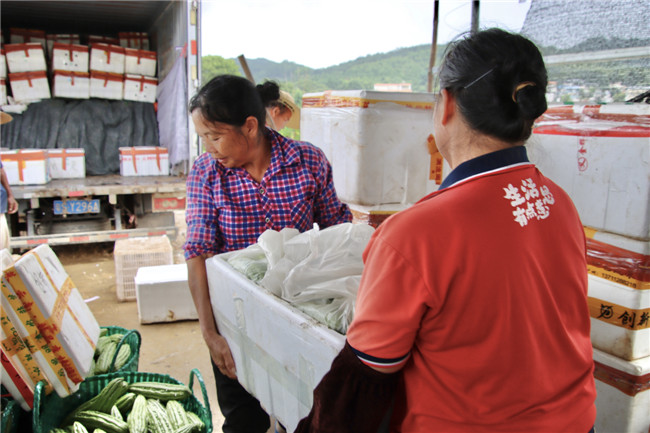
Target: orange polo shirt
[[480, 292]]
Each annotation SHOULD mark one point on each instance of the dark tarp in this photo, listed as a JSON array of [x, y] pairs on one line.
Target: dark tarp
[[98, 126]]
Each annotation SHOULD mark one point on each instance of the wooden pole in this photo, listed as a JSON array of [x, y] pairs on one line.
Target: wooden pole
[[244, 66], [475, 12], [434, 45]]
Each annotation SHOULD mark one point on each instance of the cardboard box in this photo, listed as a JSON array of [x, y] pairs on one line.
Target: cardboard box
[[29, 86], [163, 294], [140, 62], [135, 253], [57, 308], [70, 57], [623, 387], [71, 84], [22, 36], [281, 354], [25, 166], [140, 88], [66, 39], [380, 144], [600, 156], [41, 350], [619, 318], [66, 163], [144, 161], [137, 40], [25, 57], [106, 85], [107, 58]]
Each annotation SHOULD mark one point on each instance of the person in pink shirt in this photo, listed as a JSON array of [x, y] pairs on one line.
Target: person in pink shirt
[[472, 312]]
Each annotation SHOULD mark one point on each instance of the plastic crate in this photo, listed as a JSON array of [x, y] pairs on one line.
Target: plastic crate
[[133, 339], [135, 253], [50, 410]]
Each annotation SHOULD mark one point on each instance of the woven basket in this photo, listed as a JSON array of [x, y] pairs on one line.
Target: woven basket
[[49, 411], [134, 340]]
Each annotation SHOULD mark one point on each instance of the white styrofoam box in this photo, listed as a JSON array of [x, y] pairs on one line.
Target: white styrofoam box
[[137, 40], [106, 85], [29, 86], [619, 318], [25, 57], [107, 58], [134, 253], [3, 63], [99, 39], [3, 91], [6, 260], [374, 215], [66, 163], [21, 36], [70, 57], [66, 39], [57, 307], [140, 88], [140, 62], [25, 166], [13, 379], [601, 157], [163, 294], [71, 84], [281, 354], [144, 161], [623, 400], [26, 328], [379, 143]]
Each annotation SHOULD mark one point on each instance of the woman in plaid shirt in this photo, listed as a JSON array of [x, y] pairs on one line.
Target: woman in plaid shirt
[[250, 179]]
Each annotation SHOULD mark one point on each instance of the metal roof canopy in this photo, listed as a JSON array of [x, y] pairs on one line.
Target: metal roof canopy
[[90, 16]]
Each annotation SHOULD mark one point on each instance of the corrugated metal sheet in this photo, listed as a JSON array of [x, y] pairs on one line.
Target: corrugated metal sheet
[[88, 17]]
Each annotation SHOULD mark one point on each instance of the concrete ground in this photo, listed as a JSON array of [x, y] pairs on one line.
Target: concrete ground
[[173, 348]]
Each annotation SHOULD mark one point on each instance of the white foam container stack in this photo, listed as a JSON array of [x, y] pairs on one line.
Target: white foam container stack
[[600, 155], [377, 143], [66, 163], [25, 166], [71, 84], [163, 294], [623, 400], [281, 354]]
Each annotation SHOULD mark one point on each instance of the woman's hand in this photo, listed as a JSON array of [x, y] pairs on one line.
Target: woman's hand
[[221, 355]]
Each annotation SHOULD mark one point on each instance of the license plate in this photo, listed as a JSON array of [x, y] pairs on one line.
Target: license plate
[[76, 206]]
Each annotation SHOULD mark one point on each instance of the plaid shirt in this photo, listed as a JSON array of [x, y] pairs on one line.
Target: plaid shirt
[[227, 209]]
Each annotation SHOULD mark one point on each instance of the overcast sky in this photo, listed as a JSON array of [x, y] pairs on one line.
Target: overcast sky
[[321, 33]]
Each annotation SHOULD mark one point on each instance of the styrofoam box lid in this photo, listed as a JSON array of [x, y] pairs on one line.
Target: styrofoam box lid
[[66, 151], [163, 273], [371, 96], [638, 367], [618, 293], [6, 259], [624, 242]]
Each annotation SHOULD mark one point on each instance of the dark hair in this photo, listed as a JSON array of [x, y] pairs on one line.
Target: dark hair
[[269, 92], [229, 99], [499, 82]]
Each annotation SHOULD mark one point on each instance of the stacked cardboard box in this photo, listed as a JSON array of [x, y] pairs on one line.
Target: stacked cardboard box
[[49, 333], [601, 157]]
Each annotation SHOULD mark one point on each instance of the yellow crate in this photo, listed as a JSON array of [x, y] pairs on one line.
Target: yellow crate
[[135, 253]]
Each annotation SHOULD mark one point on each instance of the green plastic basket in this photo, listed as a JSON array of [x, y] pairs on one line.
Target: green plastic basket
[[14, 418], [50, 410], [131, 337]]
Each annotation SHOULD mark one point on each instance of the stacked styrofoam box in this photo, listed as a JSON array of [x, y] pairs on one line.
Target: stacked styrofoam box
[[106, 71], [22, 36], [144, 161], [135, 253], [140, 83], [601, 156], [70, 71], [136, 40], [281, 353], [27, 71], [163, 294], [100, 39], [41, 305], [66, 163], [25, 166], [62, 38], [380, 145]]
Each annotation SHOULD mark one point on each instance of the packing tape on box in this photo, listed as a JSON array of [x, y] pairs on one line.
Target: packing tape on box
[[133, 151], [16, 379], [13, 345], [21, 158], [617, 315], [36, 341], [329, 100], [624, 382], [252, 351]]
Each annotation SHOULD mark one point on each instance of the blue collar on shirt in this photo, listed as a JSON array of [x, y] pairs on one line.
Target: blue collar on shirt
[[487, 162]]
